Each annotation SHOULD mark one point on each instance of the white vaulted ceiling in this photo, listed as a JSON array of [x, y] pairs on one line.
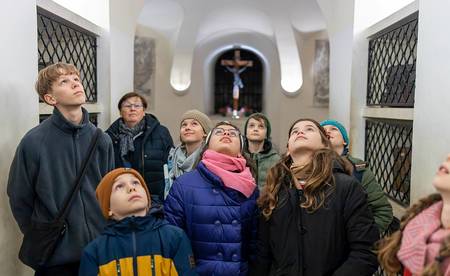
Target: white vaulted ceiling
[[190, 23]]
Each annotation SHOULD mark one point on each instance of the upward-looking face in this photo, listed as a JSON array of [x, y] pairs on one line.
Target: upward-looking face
[[225, 139], [335, 136], [305, 135], [191, 131], [128, 197], [132, 111], [441, 180], [256, 130], [66, 91]]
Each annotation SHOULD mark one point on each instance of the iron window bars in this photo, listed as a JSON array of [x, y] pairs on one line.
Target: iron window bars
[[62, 41], [392, 64], [388, 151]]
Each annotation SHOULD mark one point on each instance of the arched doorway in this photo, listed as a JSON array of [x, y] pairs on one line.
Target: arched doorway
[[251, 95]]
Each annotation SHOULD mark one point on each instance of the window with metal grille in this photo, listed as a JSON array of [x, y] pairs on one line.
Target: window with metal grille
[[62, 41], [92, 118], [250, 96], [392, 64], [388, 151]]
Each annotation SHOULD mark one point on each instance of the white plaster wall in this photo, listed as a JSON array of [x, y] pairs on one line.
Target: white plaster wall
[[368, 13], [123, 18], [168, 104], [339, 18], [431, 135], [19, 111], [95, 11], [281, 109]]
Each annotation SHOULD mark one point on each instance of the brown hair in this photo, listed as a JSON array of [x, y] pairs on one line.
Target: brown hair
[[131, 95], [388, 247], [259, 117], [318, 176], [50, 74]]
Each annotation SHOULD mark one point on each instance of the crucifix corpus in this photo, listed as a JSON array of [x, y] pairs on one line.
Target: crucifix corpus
[[236, 66]]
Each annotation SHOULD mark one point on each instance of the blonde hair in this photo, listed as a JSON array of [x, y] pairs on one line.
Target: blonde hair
[[50, 74], [388, 247]]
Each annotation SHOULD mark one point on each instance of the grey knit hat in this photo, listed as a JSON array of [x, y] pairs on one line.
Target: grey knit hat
[[200, 117]]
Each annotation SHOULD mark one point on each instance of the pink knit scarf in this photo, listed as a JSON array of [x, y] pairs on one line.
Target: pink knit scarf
[[231, 170], [421, 240]]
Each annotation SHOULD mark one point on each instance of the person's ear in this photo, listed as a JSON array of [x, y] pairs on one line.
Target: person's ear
[[110, 213], [50, 99]]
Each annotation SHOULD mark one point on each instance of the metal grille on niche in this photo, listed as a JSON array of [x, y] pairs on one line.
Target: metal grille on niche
[[392, 64], [388, 151], [251, 95], [62, 41]]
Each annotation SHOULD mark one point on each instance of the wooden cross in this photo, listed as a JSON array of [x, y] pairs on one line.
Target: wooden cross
[[236, 62], [238, 67]]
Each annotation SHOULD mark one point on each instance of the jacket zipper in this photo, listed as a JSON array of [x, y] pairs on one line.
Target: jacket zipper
[[152, 264], [118, 267], [300, 230], [143, 160], [257, 172], [133, 236], [75, 136]]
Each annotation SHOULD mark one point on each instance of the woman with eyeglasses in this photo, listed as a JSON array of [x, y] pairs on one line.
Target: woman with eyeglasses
[[216, 205], [315, 218], [141, 142]]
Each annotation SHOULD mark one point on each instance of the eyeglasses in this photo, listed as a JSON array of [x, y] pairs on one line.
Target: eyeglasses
[[129, 106], [221, 132]]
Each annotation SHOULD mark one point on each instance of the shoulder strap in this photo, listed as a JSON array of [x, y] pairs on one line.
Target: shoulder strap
[[70, 197]]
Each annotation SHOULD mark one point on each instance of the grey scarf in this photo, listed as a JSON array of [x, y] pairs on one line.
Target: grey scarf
[[128, 135], [180, 162]]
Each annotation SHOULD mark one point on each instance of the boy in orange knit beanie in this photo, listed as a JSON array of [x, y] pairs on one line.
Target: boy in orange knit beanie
[[134, 238]]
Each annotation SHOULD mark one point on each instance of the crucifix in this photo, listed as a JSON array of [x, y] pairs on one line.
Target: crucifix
[[236, 66]]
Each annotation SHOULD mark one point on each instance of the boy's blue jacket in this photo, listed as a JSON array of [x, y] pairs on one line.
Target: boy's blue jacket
[[139, 246]]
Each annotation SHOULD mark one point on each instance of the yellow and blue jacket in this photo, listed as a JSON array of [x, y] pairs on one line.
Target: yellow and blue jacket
[[139, 246]]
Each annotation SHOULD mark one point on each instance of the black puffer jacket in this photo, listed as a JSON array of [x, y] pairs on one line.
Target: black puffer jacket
[[337, 239], [150, 154]]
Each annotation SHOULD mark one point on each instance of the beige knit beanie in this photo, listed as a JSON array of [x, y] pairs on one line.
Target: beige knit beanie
[[200, 117]]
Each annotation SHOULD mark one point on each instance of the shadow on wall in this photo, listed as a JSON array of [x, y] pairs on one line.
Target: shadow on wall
[[10, 235]]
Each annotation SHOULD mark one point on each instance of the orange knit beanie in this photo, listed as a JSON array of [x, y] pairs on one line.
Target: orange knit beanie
[[104, 188]]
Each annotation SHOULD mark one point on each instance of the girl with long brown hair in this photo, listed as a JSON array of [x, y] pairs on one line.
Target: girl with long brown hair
[[315, 218], [422, 245]]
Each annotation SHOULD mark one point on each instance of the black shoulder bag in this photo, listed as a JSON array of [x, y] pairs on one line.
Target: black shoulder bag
[[41, 238]]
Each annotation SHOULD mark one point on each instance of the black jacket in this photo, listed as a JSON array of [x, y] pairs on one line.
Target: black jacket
[[43, 172], [150, 154], [337, 239]]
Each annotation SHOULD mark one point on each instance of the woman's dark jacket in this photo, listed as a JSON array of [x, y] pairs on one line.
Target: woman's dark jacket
[[150, 154], [337, 239]]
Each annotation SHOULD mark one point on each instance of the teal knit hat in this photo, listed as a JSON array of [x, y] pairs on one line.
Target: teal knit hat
[[340, 127], [266, 122]]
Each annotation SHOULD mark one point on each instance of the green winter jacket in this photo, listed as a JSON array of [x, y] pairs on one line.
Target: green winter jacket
[[262, 162], [378, 202]]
